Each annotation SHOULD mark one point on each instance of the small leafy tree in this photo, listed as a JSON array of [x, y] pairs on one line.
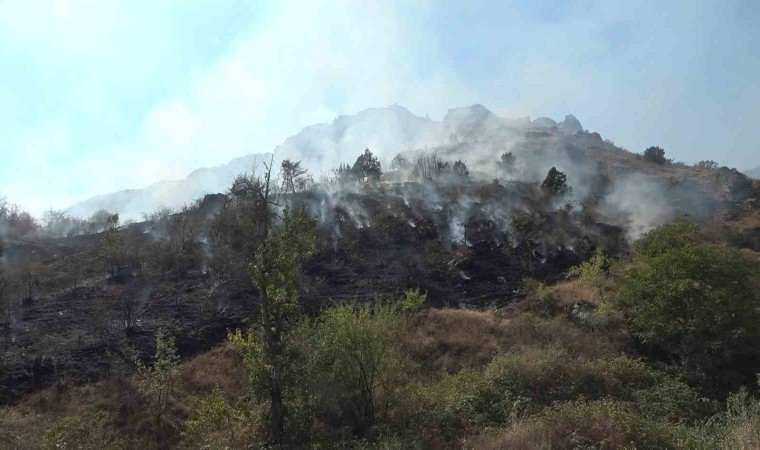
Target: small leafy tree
[[655, 155], [359, 355], [158, 383], [555, 183], [367, 167], [595, 275], [217, 423], [114, 249], [413, 300]]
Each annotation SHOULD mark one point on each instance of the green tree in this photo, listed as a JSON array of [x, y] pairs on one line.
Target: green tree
[[595, 274], [359, 355], [655, 155], [114, 249], [287, 239], [158, 383], [367, 167], [276, 274], [694, 301], [555, 183]]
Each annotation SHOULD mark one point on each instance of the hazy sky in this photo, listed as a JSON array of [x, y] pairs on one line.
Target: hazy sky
[[102, 95]]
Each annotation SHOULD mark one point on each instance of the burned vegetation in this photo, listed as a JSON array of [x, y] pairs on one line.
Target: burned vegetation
[[282, 255]]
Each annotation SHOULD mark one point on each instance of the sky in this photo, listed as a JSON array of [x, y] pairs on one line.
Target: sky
[[98, 96]]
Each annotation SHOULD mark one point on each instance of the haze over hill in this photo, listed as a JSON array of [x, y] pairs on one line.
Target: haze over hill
[[754, 173], [386, 131]]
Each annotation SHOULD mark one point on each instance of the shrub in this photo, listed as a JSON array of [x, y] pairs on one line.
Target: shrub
[[655, 155], [359, 360], [91, 432], [555, 183], [583, 424], [216, 423], [412, 300], [695, 303], [540, 298]]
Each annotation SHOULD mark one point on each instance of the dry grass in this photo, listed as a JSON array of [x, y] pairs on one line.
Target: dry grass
[[445, 341], [570, 292], [221, 367], [23, 425]]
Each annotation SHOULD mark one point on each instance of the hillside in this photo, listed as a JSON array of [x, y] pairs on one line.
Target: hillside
[[452, 269]]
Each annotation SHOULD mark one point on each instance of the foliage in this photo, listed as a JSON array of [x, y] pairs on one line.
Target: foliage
[[459, 169], [694, 301], [655, 155], [115, 251], [91, 432], [294, 177], [251, 346], [216, 423], [176, 248], [555, 183], [739, 425], [596, 275], [367, 167], [707, 165], [399, 162], [358, 354], [158, 383], [412, 300], [539, 298], [507, 162]]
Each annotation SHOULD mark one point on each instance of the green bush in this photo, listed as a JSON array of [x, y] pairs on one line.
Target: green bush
[[359, 362], [695, 303], [412, 300], [216, 423], [92, 432]]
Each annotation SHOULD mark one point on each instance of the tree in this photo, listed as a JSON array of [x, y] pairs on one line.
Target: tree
[[293, 176], [115, 250], [429, 167], [99, 220], [287, 239], [555, 183], [694, 302], [655, 155], [5, 304], [158, 383], [367, 168], [399, 162], [707, 165], [459, 169], [507, 162], [360, 356], [595, 275]]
